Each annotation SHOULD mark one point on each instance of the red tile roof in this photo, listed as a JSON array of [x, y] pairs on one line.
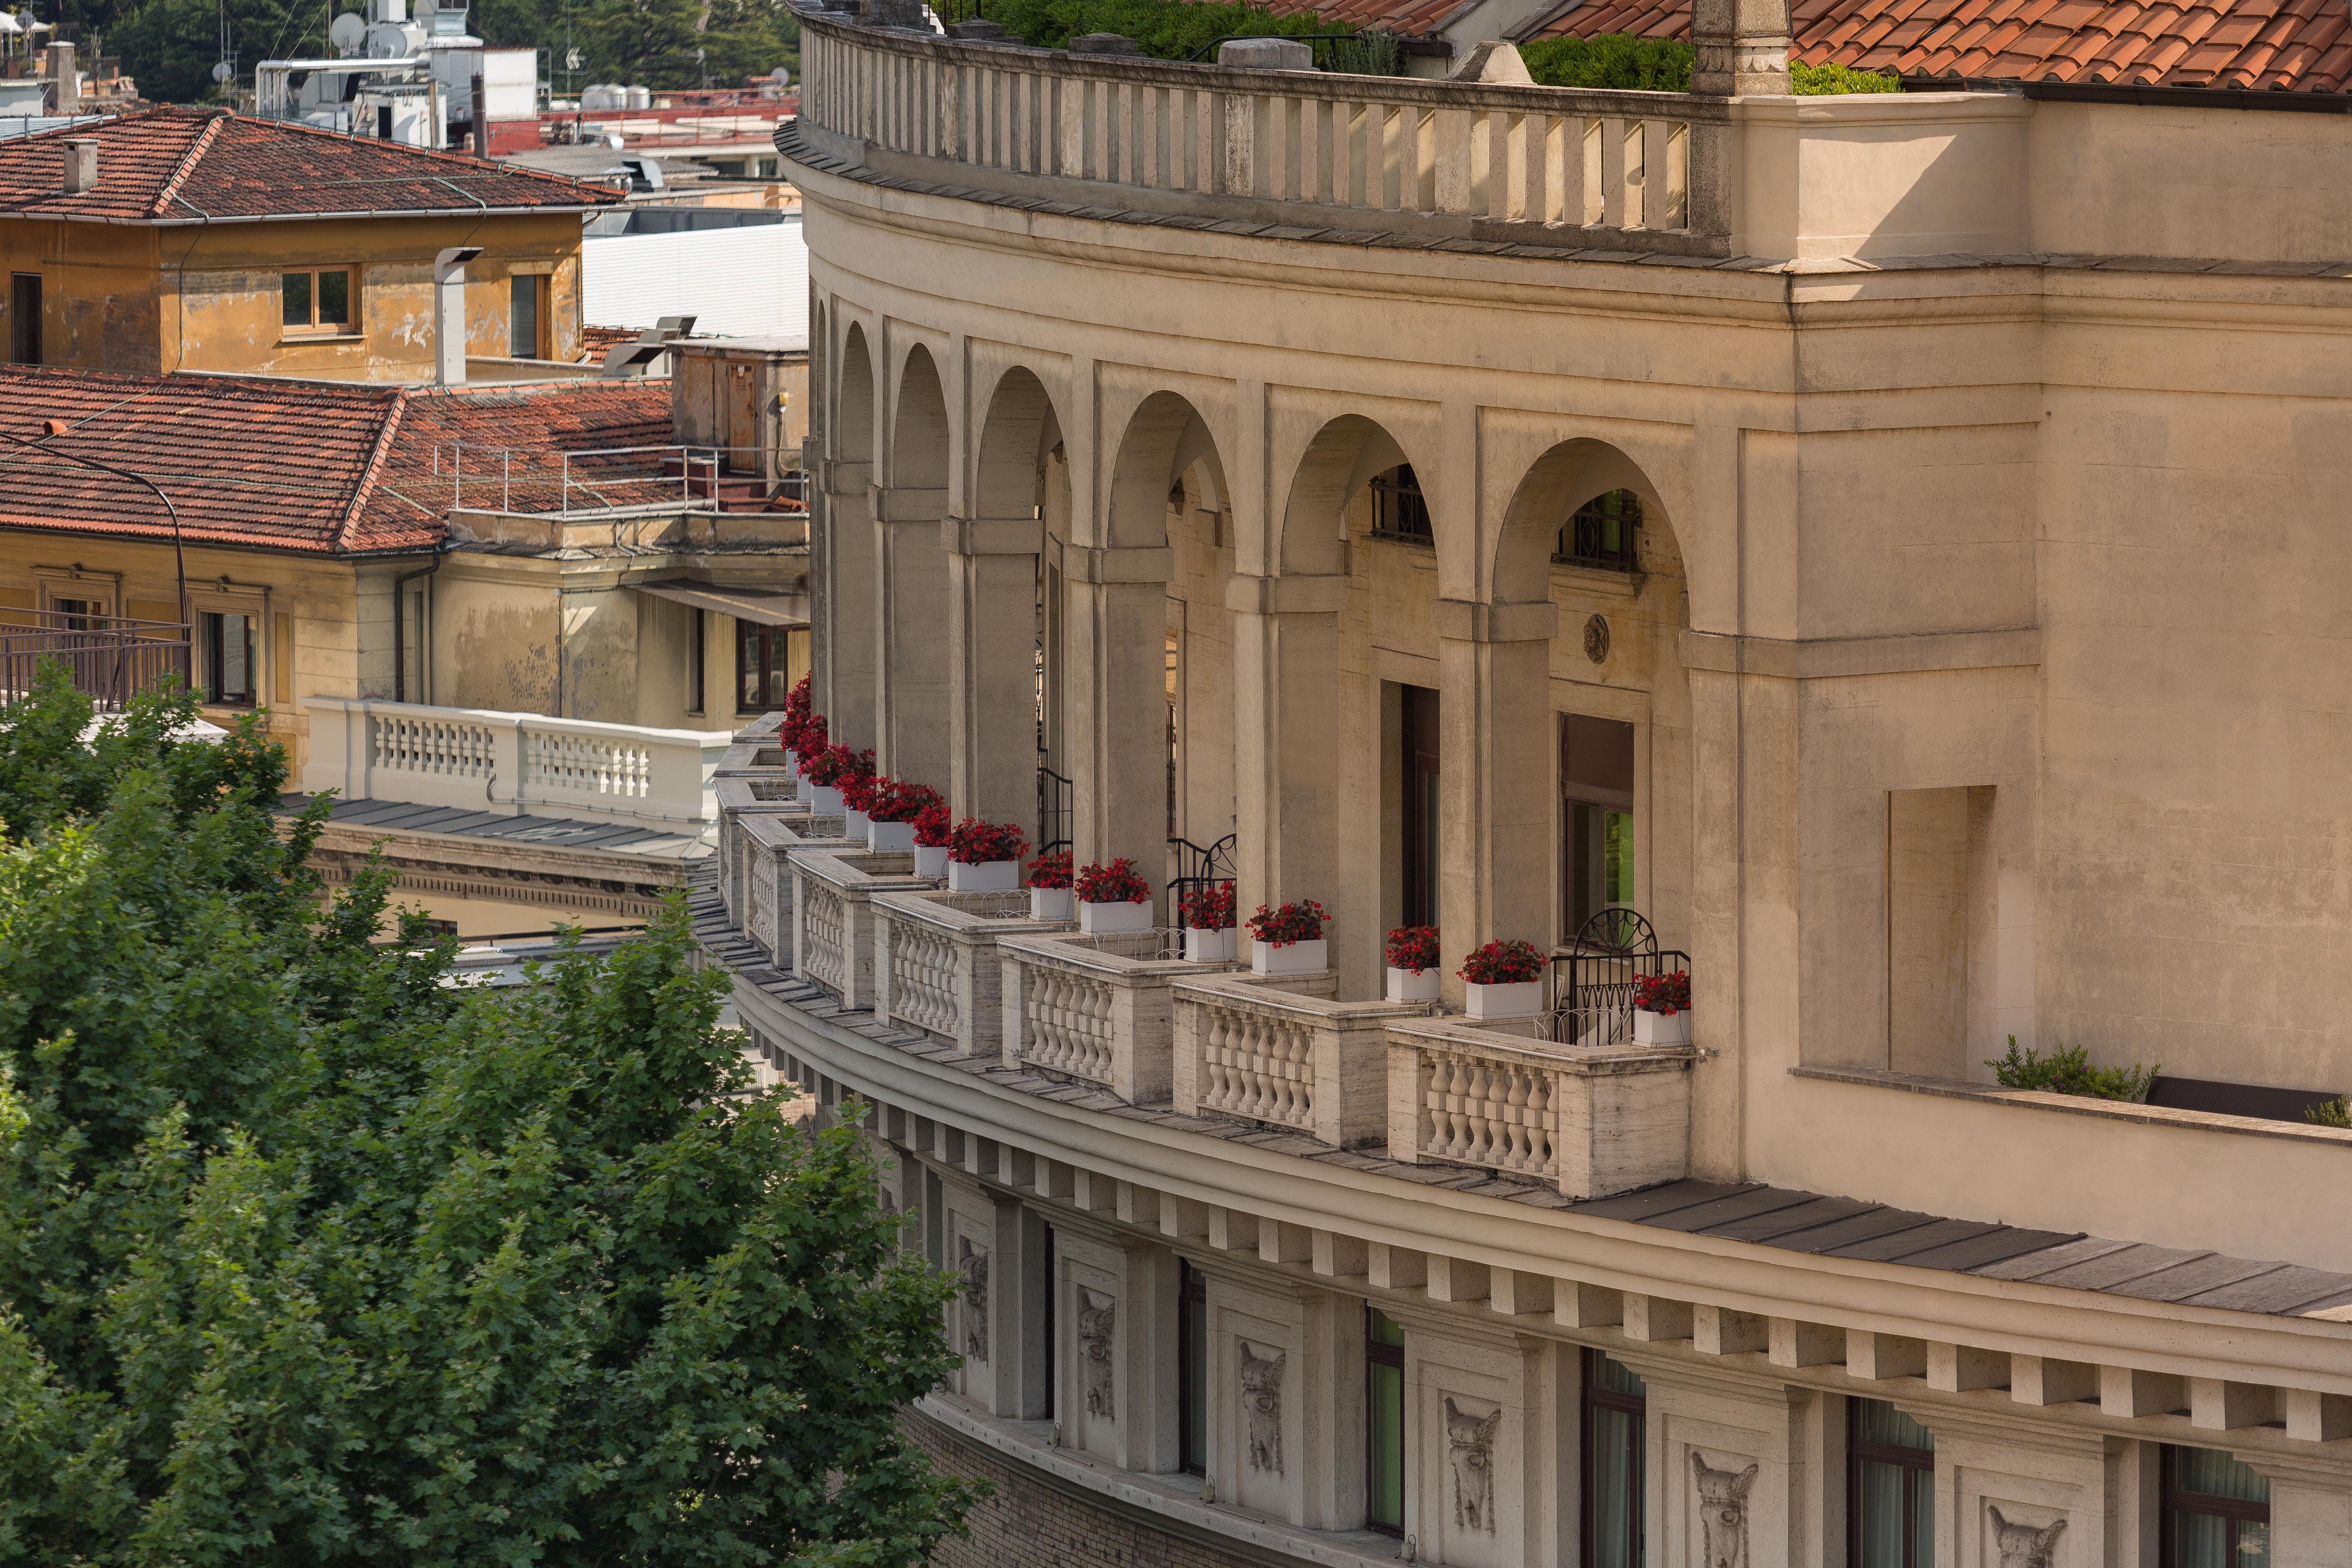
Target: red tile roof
[[188, 165], [2292, 46], [306, 466]]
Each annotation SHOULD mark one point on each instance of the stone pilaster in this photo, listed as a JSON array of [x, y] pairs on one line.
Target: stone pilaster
[[910, 634], [1742, 47], [991, 665]]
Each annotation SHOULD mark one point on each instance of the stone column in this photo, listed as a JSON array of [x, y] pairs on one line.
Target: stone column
[[992, 666], [910, 627], [1115, 675], [1742, 48], [1286, 737], [2311, 1508], [842, 640], [1495, 849]]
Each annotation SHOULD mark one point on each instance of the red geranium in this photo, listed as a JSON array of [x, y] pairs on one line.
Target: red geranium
[[1301, 921], [1050, 871], [932, 825], [1209, 908], [1413, 948], [1508, 962], [1663, 994], [977, 843], [895, 800], [829, 765], [857, 790], [1116, 883]]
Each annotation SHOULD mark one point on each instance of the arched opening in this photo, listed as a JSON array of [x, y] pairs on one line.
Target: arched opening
[[843, 567], [911, 611], [996, 612]]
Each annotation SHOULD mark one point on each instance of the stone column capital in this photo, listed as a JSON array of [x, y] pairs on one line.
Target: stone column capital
[[1742, 48], [1293, 595], [1117, 564]]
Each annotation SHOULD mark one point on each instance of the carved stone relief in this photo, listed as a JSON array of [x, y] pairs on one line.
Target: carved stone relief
[[1262, 1400], [1470, 1450], [1097, 1315], [1723, 1511], [2024, 1545], [975, 1300]]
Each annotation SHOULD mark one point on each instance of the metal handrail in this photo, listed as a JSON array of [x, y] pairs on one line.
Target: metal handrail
[[1054, 795], [700, 474], [1594, 975], [108, 659], [1197, 870]]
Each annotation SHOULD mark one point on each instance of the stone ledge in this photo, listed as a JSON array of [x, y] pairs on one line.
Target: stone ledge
[[1169, 1503], [2079, 1105]]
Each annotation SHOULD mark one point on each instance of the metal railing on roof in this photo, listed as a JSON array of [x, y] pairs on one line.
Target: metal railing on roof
[[594, 481]]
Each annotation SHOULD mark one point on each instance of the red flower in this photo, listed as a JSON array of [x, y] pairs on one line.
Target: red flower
[[1050, 871], [1116, 883], [976, 843], [1508, 962], [1413, 947], [1666, 995], [1301, 921], [1209, 908]]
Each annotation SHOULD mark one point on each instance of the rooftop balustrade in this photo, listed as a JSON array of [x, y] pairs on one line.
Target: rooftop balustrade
[[1247, 1048]]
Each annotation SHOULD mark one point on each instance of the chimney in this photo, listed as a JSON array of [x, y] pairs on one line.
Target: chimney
[[449, 314], [82, 164], [65, 93]]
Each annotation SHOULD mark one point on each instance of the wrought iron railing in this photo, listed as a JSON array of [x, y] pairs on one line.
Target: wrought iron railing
[[108, 658], [1053, 808], [1197, 870], [1594, 974]]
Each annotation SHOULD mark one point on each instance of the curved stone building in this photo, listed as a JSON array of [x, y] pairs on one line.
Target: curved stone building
[[1892, 546]]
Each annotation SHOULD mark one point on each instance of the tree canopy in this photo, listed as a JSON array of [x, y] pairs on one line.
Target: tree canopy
[[310, 1255]]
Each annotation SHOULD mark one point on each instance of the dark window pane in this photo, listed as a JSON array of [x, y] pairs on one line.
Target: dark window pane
[[335, 298], [2200, 1540], [1384, 1445], [1381, 1329], [1600, 533], [237, 658], [1616, 1437], [1615, 1378], [750, 665], [1882, 1423], [2253, 1543], [522, 334], [1878, 1503], [298, 300], [1192, 1307], [2211, 1473]]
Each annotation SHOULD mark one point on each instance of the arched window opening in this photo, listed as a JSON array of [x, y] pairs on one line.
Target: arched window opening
[[1600, 535], [1399, 512]]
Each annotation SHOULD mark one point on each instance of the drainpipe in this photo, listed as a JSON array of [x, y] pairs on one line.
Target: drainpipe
[[400, 620], [449, 314]]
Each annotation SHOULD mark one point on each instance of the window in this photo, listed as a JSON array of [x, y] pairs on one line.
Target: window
[[1891, 1480], [1596, 787], [1383, 1422], [1193, 1368], [319, 301], [1600, 535], [762, 656], [81, 615], [527, 291], [1398, 510], [24, 318], [2217, 1511], [225, 659], [1616, 1420], [697, 672], [1422, 803]]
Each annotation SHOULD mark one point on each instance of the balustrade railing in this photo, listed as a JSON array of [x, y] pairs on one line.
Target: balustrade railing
[[1251, 1048], [822, 953], [106, 657], [937, 967], [834, 917], [516, 763], [1097, 1008], [1590, 1121], [1588, 167]]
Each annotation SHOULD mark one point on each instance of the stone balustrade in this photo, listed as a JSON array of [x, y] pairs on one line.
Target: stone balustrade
[[1590, 1121], [766, 845], [937, 967], [1249, 1048], [1634, 171], [1098, 1009], [833, 915], [744, 799]]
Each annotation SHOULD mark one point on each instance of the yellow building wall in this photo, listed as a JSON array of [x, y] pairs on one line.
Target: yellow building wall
[[209, 297]]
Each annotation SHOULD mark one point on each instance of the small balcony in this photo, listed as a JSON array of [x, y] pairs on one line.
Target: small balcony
[[108, 658]]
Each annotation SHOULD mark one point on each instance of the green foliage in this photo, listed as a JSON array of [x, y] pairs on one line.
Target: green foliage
[[1164, 29], [1830, 80], [2068, 1070], [308, 1257], [2337, 1112], [1610, 60]]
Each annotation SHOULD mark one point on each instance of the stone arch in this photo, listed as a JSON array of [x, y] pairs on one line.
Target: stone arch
[[1345, 456], [820, 366], [842, 569], [1563, 479], [1013, 443], [853, 405], [1165, 437], [918, 427], [997, 586]]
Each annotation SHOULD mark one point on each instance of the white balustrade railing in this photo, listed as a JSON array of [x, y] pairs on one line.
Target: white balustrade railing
[[1098, 1009], [937, 967], [763, 846], [1589, 1121], [1254, 1049], [513, 764], [822, 951], [741, 800], [834, 916], [1551, 165]]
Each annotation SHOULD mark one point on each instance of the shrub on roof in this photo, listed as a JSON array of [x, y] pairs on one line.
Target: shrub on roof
[[1164, 29], [1831, 79], [1663, 65]]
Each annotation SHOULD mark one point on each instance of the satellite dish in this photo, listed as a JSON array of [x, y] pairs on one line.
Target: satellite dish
[[221, 72], [347, 33], [782, 76]]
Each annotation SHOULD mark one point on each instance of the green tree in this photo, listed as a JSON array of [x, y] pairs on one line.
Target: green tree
[[308, 1256]]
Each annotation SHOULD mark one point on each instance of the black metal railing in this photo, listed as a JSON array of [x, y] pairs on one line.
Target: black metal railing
[[1052, 811], [1196, 870], [1602, 534], [1594, 974], [108, 658]]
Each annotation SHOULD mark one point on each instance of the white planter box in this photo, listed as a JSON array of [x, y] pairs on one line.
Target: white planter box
[[1047, 904], [792, 763], [1662, 1029], [1291, 957], [1412, 985], [1518, 999], [930, 859], [993, 877], [855, 824], [1202, 945], [889, 837], [824, 800], [1114, 920]]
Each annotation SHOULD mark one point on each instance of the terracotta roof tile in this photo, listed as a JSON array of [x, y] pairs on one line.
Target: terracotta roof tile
[[176, 164], [308, 467], [2296, 46]]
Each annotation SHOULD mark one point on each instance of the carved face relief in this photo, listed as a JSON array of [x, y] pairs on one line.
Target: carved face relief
[[1470, 1450], [1096, 1317], [1262, 1401], [2024, 1545], [1723, 1511], [975, 1301]]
